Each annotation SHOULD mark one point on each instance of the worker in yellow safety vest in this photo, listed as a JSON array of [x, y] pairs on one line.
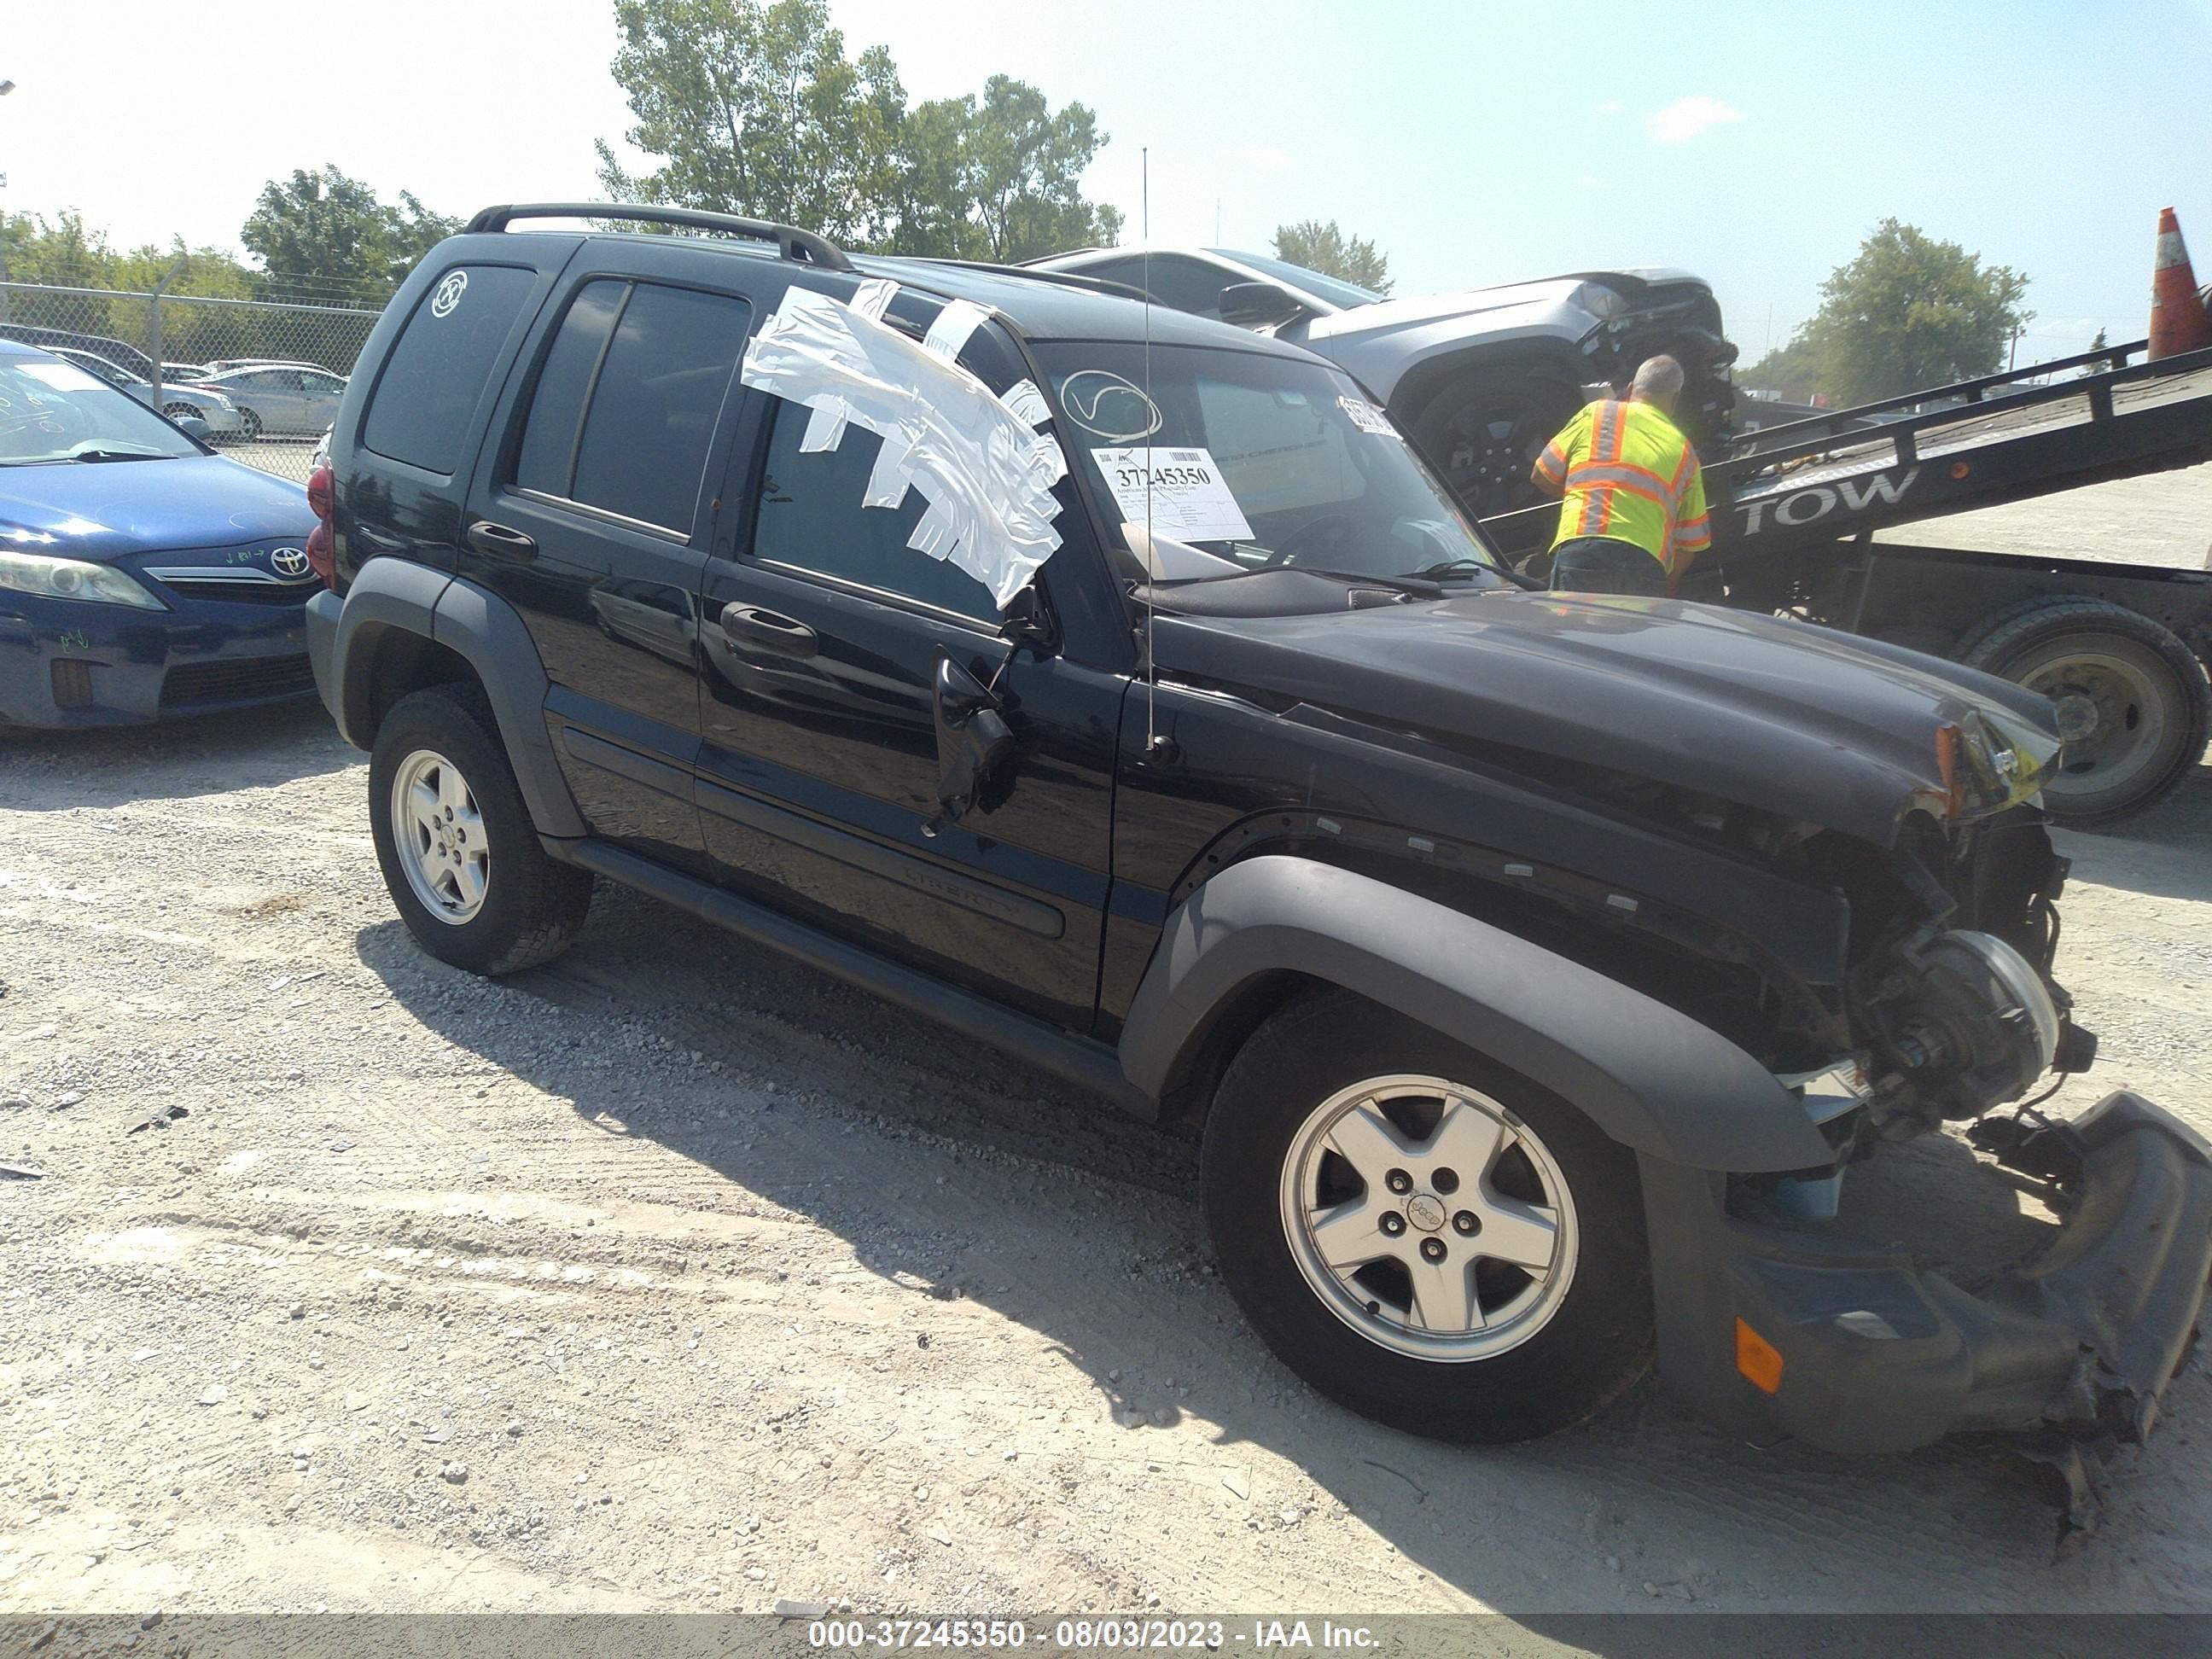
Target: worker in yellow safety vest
[[1634, 516]]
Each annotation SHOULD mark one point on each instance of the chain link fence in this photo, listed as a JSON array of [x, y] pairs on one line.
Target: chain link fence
[[265, 377]]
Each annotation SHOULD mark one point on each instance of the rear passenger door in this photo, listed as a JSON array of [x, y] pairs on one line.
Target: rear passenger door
[[590, 519]]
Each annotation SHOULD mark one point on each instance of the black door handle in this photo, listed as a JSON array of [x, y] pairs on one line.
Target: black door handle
[[500, 543], [777, 632]]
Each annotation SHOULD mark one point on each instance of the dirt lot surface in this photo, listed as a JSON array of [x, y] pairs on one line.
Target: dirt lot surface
[[672, 1277]]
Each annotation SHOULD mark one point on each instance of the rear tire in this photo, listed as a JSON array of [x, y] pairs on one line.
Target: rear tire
[[1393, 1289], [459, 853], [2133, 703]]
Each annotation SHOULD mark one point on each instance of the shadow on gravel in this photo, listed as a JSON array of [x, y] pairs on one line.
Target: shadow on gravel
[[54, 771], [1665, 1510], [2166, 853]]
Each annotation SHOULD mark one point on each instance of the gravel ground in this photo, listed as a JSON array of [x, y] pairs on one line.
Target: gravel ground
[[672, 1277]]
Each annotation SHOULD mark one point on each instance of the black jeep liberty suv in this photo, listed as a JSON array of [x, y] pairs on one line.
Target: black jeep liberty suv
[[1119, 688]]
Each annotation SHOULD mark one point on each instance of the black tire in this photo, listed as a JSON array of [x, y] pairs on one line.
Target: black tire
[[249, 424], [179, 411], [2148, 706], [1484, 431], [531, 906], [1596, 1341]]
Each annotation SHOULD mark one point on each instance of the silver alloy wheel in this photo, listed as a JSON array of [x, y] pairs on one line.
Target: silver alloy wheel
[[2113, 717], [439, 836], [1429, 1218]]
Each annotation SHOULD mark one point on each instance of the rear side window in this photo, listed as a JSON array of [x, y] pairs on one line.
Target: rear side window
[[437, 367], [625, 407]]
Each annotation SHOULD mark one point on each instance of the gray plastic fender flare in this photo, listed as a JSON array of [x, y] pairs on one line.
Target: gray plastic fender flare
[[482, 628], [1649, 1077]]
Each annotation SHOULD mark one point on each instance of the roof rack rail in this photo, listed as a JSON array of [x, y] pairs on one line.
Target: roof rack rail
[[791, 242], [1028, 273]]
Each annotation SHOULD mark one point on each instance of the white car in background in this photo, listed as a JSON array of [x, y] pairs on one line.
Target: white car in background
[[221, 416], [1482, 379]]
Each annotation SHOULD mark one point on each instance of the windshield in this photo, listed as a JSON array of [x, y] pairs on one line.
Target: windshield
[[1260, 461], [1327, 288], [52, 411]]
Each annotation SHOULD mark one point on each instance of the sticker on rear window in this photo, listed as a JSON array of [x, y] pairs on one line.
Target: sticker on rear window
[[1180, 492], [1367, 417], [447, 293]]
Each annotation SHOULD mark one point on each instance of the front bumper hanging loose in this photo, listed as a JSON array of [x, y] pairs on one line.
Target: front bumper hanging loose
[[1853, 1347]]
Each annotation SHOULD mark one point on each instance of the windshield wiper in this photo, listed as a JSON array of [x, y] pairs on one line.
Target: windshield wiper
[[118, 455], [1506, 575], [1411, 582], [1444, 569]]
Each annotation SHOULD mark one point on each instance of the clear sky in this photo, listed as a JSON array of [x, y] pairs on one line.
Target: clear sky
[[1475, 143]]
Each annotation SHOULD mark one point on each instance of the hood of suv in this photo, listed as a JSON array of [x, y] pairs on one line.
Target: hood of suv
[[104, 510], [1815, 725]]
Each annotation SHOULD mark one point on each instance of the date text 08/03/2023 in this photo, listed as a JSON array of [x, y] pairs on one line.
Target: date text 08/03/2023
[[1209, 1635]]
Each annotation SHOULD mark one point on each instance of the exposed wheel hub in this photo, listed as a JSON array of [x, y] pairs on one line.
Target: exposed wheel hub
[[2077, 716]]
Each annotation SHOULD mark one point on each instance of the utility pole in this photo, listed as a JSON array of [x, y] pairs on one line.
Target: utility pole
[[6, 87]]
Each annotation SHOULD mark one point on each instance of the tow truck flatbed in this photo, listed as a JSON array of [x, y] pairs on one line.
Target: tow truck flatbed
[[2121, 648]]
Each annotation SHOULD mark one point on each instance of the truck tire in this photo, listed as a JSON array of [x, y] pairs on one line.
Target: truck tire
[[2133, 702], [1485, 428], [1421, 1235], [459, 853]]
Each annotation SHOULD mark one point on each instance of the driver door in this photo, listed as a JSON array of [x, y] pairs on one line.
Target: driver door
[[820, 631]]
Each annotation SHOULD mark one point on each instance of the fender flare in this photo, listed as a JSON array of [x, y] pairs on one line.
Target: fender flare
[[1648, 1076], [484, 630]]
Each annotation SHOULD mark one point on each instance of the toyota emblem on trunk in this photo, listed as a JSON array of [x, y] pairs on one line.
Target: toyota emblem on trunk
[[289, 561]]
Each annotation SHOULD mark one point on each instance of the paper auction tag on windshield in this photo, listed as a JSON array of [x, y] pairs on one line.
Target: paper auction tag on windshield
[[1367, 417], [1187, 499]]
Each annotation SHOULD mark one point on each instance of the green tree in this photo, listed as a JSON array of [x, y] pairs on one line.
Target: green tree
[[1790, 370], [1907, 313], [754, 108], [322, 235], [62, 253], [1000, 178], [1325, 248], [2097, 344]]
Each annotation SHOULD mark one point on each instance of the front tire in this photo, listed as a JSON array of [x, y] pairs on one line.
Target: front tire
[[459, 853], [1423, 1236]]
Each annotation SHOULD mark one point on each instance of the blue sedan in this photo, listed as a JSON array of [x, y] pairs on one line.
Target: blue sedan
[[141, 575]]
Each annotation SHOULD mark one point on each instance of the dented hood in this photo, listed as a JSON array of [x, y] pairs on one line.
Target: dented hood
[[1821, 727]]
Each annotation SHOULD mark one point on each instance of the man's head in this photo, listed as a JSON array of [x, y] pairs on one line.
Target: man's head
[[1658, 381]]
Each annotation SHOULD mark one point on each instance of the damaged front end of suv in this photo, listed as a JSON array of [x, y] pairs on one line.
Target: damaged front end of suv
[[1828, 853]]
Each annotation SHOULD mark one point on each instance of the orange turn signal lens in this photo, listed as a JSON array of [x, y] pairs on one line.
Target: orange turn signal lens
[[1760, 1360]]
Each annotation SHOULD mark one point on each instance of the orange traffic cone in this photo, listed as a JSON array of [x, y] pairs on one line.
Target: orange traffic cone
[[2177, 319]]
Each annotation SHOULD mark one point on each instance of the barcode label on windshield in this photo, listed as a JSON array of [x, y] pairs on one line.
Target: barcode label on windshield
[[1367, 417], [1180, 492]]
